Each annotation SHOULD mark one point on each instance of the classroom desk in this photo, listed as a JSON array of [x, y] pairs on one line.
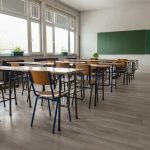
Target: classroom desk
[[113, 65], [53, 70], [39, 63], [44, 63], [100, 68]]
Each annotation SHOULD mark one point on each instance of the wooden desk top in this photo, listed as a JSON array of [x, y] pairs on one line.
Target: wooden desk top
[[40, 63], [43, 63], [112, 64], [53, 70], [100, 66]]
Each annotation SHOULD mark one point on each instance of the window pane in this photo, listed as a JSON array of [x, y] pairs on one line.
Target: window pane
[[61, 40], [34, 10], [13, 33], [17, 6], [72, 42], [72, 24], [49, 39], [49, 16], [61, 20], [35, 33]]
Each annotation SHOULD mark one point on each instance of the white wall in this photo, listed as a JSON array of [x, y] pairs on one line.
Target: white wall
[[132, 17]]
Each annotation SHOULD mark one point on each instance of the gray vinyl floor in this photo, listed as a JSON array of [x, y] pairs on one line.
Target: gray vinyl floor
[[121, 122]]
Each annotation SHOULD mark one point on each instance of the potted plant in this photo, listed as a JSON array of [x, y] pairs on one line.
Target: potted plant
[[95, 56], [64, 52], [17, 52]]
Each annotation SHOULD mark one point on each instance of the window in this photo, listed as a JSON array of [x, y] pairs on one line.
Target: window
[[49, 39], [72, 43], [49, 15], [20, 23], [35, 34], [16, 6], [10, 36], [63, 26], [61, 40], [35, 27], [61, 20], [34, 11], [72, 24]]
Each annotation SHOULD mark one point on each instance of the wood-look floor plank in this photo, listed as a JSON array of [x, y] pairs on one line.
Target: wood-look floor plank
[[121, 122]]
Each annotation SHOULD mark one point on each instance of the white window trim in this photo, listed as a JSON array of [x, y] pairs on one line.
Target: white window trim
[[39, 10]]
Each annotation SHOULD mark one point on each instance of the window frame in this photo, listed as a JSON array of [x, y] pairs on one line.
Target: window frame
[[31, 19], [52, 39], [42, 25], [53, 25]]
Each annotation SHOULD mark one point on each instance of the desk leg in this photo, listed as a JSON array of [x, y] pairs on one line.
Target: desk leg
[[109, 76], [59, 104], [68, 98], [103, 84], [10, 110], [96, 86], [112, 78], [75, 96], [28, 86]]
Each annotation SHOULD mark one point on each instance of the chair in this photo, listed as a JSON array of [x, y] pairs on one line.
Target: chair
[[121, 69], [45, 78], [93, 69], [86, 80], [61, 64]]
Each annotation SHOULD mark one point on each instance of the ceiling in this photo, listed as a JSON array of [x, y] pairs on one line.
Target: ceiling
[[84, 5]]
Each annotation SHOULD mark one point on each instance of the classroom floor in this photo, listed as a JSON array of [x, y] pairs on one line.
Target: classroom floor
[[121, 122]]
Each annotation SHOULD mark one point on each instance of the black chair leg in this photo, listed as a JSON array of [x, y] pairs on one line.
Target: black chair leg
[[68, 105], [34, 111], [23, 80], [90, 97], [43, 89], [96, 90], [73, 98], [55, 117], [49, 108], [3, 97], [14, 86]]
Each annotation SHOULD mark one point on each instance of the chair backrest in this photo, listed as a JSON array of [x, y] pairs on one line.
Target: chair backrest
[[62, 64], [84, 67], [13, 64], [40, 77], [123, 61]]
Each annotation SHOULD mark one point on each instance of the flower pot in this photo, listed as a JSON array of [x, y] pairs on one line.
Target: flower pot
[[64, 53], [17, 53]]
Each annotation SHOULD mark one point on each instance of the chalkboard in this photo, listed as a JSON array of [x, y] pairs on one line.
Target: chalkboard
[[124, 42]]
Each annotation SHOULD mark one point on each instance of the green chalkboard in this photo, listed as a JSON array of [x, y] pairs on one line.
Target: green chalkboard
[[147, 46], [124, 42]]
